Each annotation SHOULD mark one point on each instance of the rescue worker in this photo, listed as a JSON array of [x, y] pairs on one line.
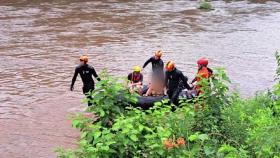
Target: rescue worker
[[203, 72], [157, 65], [86, 72], [136, 79], [173, 77]]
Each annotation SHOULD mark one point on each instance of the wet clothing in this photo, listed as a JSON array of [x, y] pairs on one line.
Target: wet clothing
[[135, 77], [86, 72], [173, 95], [182, 85], [172, 82], [157, 66], [173, 78]]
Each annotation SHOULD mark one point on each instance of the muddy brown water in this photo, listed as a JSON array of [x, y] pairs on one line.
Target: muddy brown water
[[41, 41]]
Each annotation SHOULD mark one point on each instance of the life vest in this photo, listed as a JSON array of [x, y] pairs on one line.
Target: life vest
[[136, 77], [204, 72]]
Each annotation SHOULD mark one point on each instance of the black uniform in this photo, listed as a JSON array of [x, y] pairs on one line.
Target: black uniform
[[173, 80], [157, 66], [86, 71]]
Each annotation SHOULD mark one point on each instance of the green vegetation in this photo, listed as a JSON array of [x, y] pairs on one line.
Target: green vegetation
[[205, 5], [216, 124]]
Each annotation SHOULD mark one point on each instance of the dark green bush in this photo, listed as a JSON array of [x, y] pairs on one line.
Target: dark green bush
[[216, 124]]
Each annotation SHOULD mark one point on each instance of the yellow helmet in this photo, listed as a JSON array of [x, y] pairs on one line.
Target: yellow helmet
[[158, 53], [136, 68]]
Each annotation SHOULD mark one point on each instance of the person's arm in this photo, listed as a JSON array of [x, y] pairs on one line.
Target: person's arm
[[161, 64], [74, 79], [210, 71], [147, 62], [166, 80], [129, 78], [194, 80], [149, 91], [95, 74], [141, 78], [185, 81], [140, 81]]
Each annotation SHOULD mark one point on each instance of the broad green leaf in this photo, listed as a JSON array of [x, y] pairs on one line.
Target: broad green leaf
[[133, 137], [105, 148], [96, 134], [193, 137], [208, 151], [75, 123], [102, 113], [84, 134], [203, 137], [157, 103]]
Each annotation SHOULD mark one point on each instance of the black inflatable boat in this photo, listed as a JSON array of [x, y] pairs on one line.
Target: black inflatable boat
[[147, 102]]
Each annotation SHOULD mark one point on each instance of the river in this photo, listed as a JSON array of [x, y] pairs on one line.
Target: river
[[40, 43]]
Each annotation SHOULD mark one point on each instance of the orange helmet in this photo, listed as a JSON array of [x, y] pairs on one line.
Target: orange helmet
[[158, 53], [170, 66], [84, 58], [202, 62]]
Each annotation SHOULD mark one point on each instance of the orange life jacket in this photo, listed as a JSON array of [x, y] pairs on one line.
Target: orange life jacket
[[202, 73]]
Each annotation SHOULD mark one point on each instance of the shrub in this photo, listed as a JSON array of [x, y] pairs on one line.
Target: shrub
[[205, 5], [215, 124]]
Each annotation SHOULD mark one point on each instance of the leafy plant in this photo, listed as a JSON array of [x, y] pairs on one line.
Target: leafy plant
[[215, 124], [110, 99], [205, 5]]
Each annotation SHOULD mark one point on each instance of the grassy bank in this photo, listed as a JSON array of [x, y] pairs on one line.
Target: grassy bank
[[216, 124]]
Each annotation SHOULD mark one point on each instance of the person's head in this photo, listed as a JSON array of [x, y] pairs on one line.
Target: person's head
[[158, 54], [83, 59], [202, 62], [170, 66], [136, 69]]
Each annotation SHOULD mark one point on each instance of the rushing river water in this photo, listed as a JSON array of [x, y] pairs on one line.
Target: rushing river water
[[40, 43]]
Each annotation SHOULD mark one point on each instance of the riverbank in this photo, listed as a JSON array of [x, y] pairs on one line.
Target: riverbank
[[40, 43], [214, 124]]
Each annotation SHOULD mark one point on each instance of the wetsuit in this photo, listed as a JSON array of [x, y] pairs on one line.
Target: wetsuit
[[172, 82], [135, 77], [86, 71], [182, 85], [157, 66]]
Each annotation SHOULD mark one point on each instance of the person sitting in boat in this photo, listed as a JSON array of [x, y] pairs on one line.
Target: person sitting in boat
[[157, 65], [156, 88], [135, 80], [86, 72], [173, 77], [203, 72]]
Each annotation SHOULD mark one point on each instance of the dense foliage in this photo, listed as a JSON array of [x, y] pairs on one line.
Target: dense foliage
[[216, 124]]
